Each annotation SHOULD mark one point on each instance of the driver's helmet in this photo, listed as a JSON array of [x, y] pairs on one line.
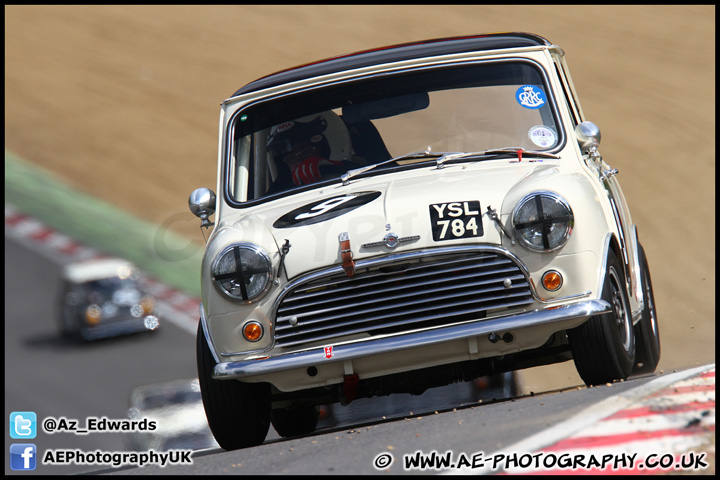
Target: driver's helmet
[[309, 142]]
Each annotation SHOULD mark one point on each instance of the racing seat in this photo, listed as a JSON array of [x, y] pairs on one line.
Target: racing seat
[[366, 141]]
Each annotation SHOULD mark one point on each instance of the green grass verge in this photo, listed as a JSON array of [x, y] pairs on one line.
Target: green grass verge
[[167, 256]]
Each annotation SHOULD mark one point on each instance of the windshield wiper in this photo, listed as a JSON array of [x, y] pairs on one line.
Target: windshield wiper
[[443, 157], [519, 151], [353, 173]]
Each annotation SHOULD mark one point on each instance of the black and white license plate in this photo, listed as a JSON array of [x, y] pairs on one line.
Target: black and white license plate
[[456, 220]]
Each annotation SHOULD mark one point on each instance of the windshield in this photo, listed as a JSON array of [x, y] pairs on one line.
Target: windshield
[[289, 143], [123, 291]]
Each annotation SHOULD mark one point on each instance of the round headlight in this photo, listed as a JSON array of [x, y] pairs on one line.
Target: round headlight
[[242, 272], [543, 221]]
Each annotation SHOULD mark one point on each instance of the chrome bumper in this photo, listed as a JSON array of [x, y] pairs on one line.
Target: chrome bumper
[[364, 348]]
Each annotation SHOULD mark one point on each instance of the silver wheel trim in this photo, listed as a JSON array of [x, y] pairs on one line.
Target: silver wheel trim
[[620, 310]]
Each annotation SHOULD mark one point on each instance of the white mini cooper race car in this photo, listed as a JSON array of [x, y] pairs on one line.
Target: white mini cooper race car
[[409, 217]]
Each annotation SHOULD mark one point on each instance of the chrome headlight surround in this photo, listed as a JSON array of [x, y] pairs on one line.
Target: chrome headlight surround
[[242, 272], [543, 221]]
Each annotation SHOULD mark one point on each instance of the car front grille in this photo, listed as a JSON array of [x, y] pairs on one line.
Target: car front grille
[[407, 292]]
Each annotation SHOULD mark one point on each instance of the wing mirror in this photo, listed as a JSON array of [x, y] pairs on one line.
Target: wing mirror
[[588, 135], [202, 205]]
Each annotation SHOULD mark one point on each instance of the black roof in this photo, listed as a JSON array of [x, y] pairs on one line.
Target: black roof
[[405, 51]]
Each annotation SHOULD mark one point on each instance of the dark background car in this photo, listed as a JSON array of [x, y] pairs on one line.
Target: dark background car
[[103, 298]]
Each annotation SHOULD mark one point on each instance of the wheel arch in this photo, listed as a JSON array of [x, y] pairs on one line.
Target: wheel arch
[[206, 332], [612, 244], [632, 288]]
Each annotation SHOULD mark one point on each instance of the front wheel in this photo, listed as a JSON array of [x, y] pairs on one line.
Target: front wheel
[[603, 347], [647, 332], [238, 413]]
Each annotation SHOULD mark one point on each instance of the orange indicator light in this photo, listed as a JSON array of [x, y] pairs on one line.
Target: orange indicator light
[[252, 331], [552, 280], [93, 314]]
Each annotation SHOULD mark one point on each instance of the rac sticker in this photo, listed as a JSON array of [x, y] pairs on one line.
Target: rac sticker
[[530, 96], [456, 220]]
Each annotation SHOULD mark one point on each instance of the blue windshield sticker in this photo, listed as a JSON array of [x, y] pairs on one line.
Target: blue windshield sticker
[[530, 96]]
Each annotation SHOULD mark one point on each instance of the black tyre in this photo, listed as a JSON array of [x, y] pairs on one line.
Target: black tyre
[[296, 420], [238, 413], [603, 348], [68, 328], [647, 333]]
